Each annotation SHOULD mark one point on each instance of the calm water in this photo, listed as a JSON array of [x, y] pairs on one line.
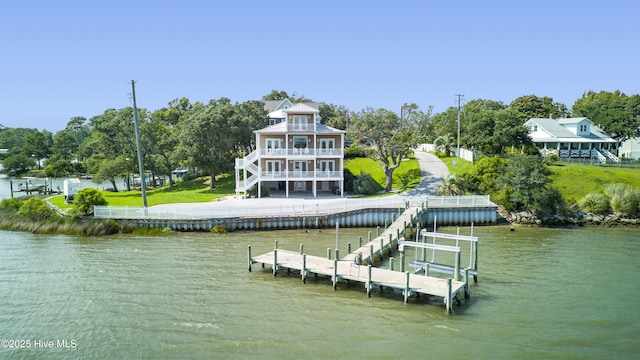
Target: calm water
[[542, 293], [560, 294]]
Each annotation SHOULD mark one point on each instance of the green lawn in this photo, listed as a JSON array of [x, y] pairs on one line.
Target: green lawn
[[573, 180], [462, 166], [183, 192], [577, 180], [374, 168]]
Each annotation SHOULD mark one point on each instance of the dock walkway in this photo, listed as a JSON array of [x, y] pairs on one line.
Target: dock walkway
[[357, 265]]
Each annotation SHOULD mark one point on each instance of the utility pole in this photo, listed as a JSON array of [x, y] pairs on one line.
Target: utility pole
[[459, 99], [143, 185]]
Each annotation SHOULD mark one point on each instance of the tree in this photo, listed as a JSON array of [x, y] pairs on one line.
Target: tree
[[614, 112], [336, 116], [36, 146], [208, 136], [35, 209], [531, 106], [281, 95], [391, 137], [525, 182], [452, 185], [444, 123], [445, 143], [17, 164], [85, 199]]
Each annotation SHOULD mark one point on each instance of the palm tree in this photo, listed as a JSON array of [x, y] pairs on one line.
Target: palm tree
[[452, 186], [445, 143]]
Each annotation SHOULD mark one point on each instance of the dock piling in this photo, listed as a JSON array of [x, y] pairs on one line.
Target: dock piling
[[275, 262], [303, 272], [448, 298], [406, 288], [249, 256], [368, 281], [335, 273]]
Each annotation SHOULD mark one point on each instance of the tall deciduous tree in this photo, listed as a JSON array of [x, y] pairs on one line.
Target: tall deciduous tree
[[615, 112], [207, 136], [391, 137], [531, 106]]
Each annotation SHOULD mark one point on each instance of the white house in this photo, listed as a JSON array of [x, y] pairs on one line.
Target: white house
[[296, 153], [630, 149], [572, 138]]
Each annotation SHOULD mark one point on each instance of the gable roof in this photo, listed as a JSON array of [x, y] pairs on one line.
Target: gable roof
[[271, 105], [556, 132]]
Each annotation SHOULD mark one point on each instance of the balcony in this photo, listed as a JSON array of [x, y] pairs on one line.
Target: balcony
[[301, 152], [299, 174], [301, 127]]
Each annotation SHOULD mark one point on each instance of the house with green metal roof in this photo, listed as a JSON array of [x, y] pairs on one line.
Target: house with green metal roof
[[572, 139]]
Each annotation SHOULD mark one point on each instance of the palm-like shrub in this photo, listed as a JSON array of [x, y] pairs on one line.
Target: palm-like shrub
[[594, 202]]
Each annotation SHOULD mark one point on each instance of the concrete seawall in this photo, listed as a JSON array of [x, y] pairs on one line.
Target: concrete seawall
[[367, 217]]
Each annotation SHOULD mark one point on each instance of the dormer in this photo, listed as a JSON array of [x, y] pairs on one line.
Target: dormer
[[578, 126]]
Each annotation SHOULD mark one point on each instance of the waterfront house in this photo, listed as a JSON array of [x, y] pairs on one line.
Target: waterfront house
[[295, 153], [572, 139]]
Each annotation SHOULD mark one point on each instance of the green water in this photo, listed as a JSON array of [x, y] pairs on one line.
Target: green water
[[542, 293]]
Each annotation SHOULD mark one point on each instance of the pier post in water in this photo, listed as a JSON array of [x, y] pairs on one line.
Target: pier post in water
[[275, 262], [456, 270], [369, 281], [402, 261], [337, 254], [349, 247], [359, 241], [335, 273], [406, 288], [303, 273], [249, 256], [467, 288], [391, 263], [329, 253], [448, 298], [301, 249], [378, 231]]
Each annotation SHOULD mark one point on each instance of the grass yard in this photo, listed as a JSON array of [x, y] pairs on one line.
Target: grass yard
[[191, 191], [372, 167], [573, 180], [577, 180], [462, 166]]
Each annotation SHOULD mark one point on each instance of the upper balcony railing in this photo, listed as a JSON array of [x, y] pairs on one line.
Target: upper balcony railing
[[301, 127], [301, 152]]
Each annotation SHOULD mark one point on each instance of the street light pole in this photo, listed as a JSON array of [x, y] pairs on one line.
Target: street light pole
[[143, 185], [458, 148]]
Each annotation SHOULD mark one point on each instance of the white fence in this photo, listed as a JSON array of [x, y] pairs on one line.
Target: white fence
[[298, 207], [464, 153]]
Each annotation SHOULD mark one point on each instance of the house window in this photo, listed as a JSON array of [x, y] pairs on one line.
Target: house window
[[299, 142], [273, 145], [583, 128], [299, 122], [535, 128]]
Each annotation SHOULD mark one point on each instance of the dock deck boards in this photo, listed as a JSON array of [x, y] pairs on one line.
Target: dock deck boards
[[346, 268]]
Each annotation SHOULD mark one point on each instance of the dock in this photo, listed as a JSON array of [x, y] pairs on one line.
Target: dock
[[359, 265]]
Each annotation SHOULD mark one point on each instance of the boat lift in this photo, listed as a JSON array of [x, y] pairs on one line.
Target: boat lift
[[426, 267]]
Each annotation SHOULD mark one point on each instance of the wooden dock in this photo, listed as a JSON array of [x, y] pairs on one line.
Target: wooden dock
[[357, 265]]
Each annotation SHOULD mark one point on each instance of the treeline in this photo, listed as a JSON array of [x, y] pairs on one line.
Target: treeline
[[208, 136]]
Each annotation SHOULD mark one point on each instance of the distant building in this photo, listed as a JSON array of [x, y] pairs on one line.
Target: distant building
[[630, 149], [295, 153], [572, 138]]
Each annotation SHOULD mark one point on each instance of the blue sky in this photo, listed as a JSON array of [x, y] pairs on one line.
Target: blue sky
[[61, 59]]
